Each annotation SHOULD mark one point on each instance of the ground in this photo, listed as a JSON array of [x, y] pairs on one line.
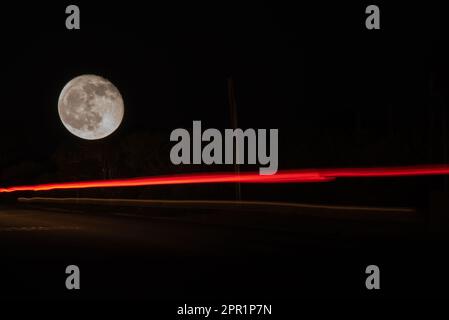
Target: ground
[[214, 252]]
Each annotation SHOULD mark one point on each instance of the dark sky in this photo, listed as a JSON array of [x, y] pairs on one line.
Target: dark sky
[[311, 70]]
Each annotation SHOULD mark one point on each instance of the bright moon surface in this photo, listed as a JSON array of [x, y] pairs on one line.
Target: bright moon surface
[[90, 107]]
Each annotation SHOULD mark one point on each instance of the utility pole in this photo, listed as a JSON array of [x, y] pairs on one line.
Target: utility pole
[[233, 113], [445, 144]]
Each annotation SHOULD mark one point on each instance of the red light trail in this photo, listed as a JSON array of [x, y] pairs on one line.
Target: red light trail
[[290, 176]]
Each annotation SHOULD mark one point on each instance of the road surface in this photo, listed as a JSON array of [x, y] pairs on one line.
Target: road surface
[[205, 252]]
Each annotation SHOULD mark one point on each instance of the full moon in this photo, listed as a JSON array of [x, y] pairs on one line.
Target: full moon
[[90, 107]]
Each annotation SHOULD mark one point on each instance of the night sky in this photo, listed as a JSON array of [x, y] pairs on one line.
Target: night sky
[[339, 94]]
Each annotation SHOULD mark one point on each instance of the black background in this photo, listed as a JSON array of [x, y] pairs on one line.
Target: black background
[[312, 68], [339, 94]]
